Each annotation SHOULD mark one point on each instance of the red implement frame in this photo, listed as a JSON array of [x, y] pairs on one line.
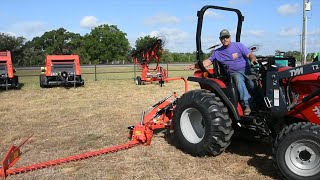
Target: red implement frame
[[148, 54], [51, 59], [5, 57], [159, 116]]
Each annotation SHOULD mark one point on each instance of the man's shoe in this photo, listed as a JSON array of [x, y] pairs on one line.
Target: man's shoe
[[247, 111]]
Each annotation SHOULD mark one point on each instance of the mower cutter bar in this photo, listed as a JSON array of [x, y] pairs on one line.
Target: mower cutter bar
[[158, 117], [5, 171]]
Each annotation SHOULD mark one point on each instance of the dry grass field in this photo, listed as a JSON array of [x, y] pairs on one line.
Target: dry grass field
[[76, 120]]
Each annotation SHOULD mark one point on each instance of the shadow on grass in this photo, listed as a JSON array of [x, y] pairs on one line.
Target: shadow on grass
[[260, 153], [62, 86]]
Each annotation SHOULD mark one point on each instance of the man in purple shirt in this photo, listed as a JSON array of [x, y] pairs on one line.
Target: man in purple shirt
[[234, 55]]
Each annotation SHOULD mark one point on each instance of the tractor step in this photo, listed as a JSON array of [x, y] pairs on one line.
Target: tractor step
[[256, 124]]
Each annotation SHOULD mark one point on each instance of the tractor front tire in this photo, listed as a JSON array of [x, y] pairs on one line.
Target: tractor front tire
[[201, 124], [296, 151]]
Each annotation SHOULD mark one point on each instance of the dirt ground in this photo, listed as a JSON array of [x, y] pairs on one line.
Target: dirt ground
[[70, 121]]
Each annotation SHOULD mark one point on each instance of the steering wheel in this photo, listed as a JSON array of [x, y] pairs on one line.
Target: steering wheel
[[262, 65]]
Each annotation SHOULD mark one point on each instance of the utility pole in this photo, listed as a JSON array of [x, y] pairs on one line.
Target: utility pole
[[306, 7], [300, 40], [303, 45]]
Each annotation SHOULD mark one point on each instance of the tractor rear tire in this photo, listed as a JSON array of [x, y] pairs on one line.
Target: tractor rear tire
[[296, 151], [201, 124]]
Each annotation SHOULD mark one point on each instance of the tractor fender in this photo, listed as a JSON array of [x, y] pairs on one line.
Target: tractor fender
[[220, 93]]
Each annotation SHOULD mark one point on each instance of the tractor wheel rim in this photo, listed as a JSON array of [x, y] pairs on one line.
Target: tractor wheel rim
[[192, 125], [303, 158]]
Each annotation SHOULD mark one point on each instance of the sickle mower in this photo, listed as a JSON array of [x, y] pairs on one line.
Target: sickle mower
[[7, 77], [143, 57]]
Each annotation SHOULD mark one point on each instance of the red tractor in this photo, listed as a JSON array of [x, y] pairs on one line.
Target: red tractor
[[61, 70], [143, 57], [7, 77], [286, 104]]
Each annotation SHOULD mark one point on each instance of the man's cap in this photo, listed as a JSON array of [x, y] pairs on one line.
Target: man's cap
[[224, 32]]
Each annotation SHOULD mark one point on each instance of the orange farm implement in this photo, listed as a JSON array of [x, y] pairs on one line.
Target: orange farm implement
[[61, 70], [7, 77], [143, 57]]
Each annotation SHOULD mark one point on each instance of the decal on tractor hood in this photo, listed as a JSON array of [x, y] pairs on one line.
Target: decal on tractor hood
[[296, 71], [317, 111], [315, 67]]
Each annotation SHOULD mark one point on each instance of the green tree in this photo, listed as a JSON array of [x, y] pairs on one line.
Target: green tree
[[13, 44], [144, 44], [167, 56], [106, 43], [58, 41], [295, 54], [32, 56]]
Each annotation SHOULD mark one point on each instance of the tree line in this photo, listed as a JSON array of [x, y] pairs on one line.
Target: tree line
[[103, 45]]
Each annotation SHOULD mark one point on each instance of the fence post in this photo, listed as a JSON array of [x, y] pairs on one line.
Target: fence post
[[6, 82], [74, 75], [134, 72], [95, 72], [167, 69]]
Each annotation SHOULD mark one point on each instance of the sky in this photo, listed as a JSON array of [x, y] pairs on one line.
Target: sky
[[270, 24]]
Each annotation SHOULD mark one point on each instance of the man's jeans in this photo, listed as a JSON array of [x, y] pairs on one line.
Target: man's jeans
[[244, 86]]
